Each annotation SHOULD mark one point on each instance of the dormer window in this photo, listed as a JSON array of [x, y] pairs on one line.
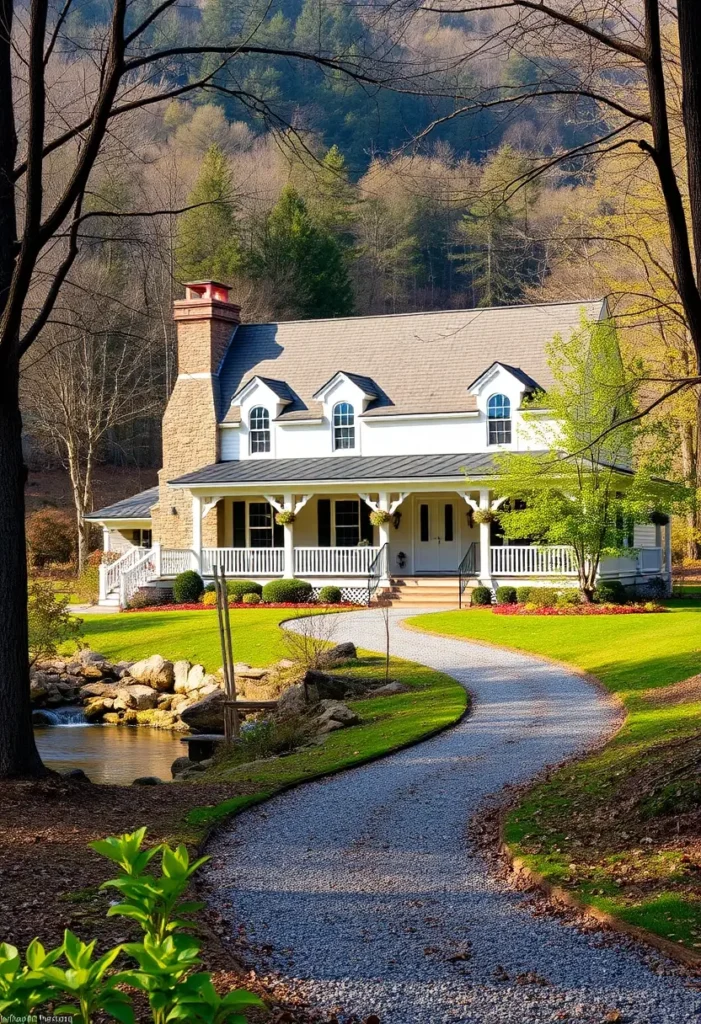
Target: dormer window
[[499, 420], [343, 426], [259, 425]]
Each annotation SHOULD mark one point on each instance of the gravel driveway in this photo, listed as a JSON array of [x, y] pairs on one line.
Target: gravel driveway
[[367, 890]]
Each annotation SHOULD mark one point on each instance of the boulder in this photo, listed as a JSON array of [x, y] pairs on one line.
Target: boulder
[[195, 678], [156, 718], [165, 701], [246, 672], [180, 764], [155, 672], [181, 670], [112, 718], [98, 690], [389, 689], [37, 689], [147, 780], [320, 686], [139, 697], [97, 708], [87, 657], [76, 773], [206, 715], [341, 652], [285, 663], [292, 701], [334, 710], [93, 670]]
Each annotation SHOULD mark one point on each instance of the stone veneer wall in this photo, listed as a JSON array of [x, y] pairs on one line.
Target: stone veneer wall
[[190, 429]]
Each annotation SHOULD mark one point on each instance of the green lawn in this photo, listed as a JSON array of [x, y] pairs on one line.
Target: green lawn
[[598, 827], [193, 635]]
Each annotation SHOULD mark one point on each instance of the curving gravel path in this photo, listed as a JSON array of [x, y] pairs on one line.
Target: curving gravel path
[[367, 890]]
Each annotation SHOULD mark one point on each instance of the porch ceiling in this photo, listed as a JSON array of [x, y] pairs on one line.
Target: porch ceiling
[[341, 469]]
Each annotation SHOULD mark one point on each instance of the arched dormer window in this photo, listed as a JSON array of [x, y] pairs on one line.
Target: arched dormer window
[[499, 420], [259, 427], [343, 426]]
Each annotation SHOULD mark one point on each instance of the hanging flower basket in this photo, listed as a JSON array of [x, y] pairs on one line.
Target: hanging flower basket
[[484, 515], [380, 517], [285, 518], [659, 518]]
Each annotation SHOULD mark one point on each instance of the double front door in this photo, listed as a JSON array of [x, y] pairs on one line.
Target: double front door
[[437, 543]]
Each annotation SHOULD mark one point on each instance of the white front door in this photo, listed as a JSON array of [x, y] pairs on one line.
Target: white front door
[[436, 546]]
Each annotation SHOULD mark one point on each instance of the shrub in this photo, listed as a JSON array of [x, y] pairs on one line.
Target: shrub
[[209, 598], [50, 622], [50, 537], [287, 591], [188, 587], [506, 595], [330, 595], [523, 594], [610, 592], [237, 588], [87, 586], [481, 596], [211, 588], [251, 599], [543, 597], [165, 963], [569, 598]]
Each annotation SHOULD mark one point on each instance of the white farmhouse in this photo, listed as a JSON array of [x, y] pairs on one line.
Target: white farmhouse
[[366, 430]]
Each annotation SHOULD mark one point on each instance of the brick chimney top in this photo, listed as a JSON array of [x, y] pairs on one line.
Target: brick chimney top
[[207, 290]]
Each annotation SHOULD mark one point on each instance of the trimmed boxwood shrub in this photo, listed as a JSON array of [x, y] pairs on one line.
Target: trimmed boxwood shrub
[[543, 597], [287, 591], [610, 592], [250, 599], [523, 594], [481, 596], [330, 595], [569, 598], [188, 587], [506, 595], [237, 588], [210, 588]]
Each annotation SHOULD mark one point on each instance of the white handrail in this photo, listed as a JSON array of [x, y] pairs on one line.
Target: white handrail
[[334, 561], [175, 561], [136, 576], [525, 560], [114, 570], [244, 561]]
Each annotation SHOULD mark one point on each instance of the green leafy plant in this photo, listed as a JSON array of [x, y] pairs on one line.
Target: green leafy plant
[[188, 587], [483, 515], [287, 591], [50, 622], [482, 596], [250, 599], [285, 518], [610, 592], [506, 595], [523, 594], [73, 981], [330, 595], [379, 517], [543, 597], [237, 588]]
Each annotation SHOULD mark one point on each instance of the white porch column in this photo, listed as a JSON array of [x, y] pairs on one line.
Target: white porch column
[[105, 539], [157, 558], [383, 502], [289, 539], [485, 541], [102, 574], [196, 532]]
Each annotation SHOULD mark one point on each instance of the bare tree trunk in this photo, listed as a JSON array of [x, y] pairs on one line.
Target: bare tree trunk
[[18, 753], [689, 12]]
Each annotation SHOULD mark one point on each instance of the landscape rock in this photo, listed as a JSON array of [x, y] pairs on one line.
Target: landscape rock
[[98, 690], [112, 718], [180, 674], [206, 715], [341, 652], [97, 708], [246, 672], [137, 696], [286, 663], [195, 678], [180, 764], [148, 780], [336, 711], [76, 773], [154, 671], [292, 701], [37, 688], [389, 689], [320, 686], [159, 719], [93, 670], [88, 657]]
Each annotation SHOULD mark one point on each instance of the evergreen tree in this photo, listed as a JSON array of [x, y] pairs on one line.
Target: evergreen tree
[[303, 260], [208, 243]]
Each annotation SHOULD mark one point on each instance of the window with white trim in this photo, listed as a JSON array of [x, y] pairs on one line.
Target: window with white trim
[[259, 430], [343, 426], [499, 420], [347, 523], [260, 524]]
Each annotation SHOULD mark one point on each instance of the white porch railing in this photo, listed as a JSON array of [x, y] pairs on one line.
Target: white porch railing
[[650, 559], [244, 561], [111, 575], [334, 561], [175, 561], [523, 560], [136, 576]]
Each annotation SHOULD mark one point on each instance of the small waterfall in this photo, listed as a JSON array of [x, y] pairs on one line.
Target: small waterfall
[[67, 715]]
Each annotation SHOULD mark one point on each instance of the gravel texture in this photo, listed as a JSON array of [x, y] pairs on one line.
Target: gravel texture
[[363, 892]]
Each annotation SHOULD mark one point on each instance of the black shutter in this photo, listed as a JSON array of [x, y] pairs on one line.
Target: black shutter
[[278, 534], [239, 524], [323, 517], [366, 531]]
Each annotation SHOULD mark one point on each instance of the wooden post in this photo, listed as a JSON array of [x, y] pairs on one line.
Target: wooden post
[[231, 716]]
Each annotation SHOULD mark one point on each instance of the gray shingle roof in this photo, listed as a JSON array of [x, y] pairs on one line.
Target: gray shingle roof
[[380, 468], [136, 507], [417, 362]]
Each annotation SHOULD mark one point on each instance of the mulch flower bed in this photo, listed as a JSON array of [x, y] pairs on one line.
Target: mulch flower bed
[[580, 609], [233, 604]]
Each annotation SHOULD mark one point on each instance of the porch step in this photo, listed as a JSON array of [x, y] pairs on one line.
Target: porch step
[[426, 591]]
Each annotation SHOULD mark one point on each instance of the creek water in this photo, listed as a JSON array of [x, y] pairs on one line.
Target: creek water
[[106, 753]]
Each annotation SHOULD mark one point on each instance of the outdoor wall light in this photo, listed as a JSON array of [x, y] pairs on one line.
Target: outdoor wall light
[[396, 519], [173, 510]]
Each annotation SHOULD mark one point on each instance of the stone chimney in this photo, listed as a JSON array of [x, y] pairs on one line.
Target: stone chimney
[[205, 322]]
